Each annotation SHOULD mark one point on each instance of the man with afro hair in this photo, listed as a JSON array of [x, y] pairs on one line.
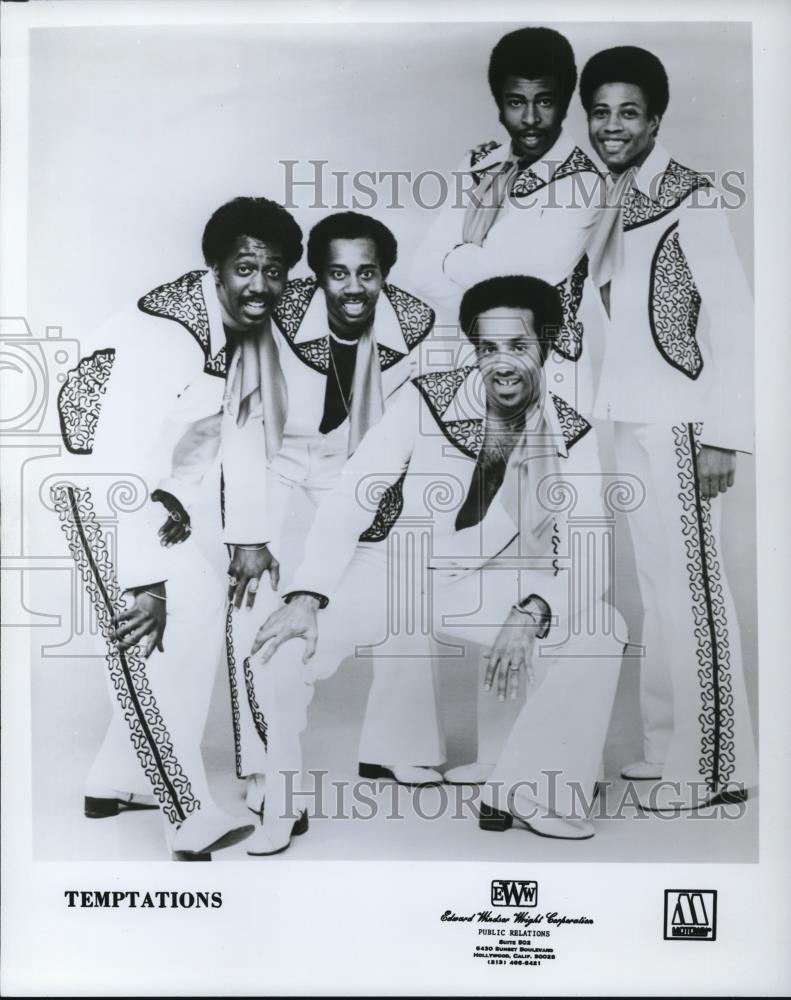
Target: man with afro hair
[[675, 384], [527, 205], [130, 409], [347, 338]]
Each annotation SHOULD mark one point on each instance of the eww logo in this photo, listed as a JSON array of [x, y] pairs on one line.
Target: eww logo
[[510, 892]]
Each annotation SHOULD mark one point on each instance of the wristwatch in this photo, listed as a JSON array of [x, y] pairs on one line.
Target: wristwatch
[[537, 609], [323, 601]]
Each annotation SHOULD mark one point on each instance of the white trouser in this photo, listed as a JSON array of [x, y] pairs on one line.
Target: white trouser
[[692, 695], [401, 724], [561, 727], [160, 704]]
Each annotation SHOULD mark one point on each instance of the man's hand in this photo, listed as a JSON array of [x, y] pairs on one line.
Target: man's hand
[[248, 563], [463, 263], [716, 470], [144, 620], [511, 652], [295, 620], [177, 528]]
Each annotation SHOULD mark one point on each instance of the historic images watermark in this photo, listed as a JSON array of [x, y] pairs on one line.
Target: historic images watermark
[[313, 184], [365, 799]]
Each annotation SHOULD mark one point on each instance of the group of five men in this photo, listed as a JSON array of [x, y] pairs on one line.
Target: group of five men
[[364, 489]]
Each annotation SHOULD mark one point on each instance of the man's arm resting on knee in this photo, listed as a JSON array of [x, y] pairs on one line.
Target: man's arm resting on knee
[[296, 619]]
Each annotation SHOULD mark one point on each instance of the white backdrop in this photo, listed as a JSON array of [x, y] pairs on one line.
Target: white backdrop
[[138, 133]]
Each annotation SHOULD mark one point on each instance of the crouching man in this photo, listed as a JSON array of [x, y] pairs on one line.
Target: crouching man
[[499, 572]]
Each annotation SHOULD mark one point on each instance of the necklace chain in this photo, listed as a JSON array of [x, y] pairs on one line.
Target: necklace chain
[[346, 404]]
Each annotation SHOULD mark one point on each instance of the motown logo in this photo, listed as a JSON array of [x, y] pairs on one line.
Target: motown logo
[[507, 892], [690, 914]]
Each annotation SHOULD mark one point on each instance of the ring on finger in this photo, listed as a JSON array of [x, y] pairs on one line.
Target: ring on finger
[[252, 586], [232, 581]]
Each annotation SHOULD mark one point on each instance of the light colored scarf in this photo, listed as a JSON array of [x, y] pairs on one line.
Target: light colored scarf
[[487, 201], [533, 459], [605, 249], [367, 402], [255, 386]]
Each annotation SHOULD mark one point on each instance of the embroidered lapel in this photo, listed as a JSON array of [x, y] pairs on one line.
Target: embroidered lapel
[[569, 340], [576, 163], [415, 319], [527, 181], [288, 315], [573, 426], [438, 390], [182, 301], [481, 153], [676, 185]]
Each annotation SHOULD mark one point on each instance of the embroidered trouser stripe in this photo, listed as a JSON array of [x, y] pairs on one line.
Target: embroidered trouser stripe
[[715, 665], [255, 709], [233, 687], [149, 736], [717, 761]]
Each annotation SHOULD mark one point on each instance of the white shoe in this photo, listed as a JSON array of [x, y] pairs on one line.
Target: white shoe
[[642, 770], [469, 774], [207, 830], [254, 797], [275, 837], [404, 774], [545, 825]]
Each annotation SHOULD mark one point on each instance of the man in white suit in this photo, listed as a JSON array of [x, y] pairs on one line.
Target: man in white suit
[[529, 205], [675, 384], [497, 446], [346, 340], [161, 369]]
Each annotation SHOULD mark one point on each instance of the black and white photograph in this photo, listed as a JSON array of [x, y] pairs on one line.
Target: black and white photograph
[[393, 499]]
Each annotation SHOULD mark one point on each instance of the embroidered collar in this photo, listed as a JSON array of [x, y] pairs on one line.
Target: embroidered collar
[[401, 323], [562, 159], [456, 399], [660, 185], [191, 300]]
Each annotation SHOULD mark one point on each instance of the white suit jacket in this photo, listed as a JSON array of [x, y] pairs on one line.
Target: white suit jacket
[[424, 451], [679, 340], [306, 457], [542, 231], [125, 406]]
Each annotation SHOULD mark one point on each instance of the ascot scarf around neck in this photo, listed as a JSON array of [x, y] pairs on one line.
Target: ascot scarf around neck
[[367, 401], [605, 248], [533, 461], [255, 386], [487, 201]]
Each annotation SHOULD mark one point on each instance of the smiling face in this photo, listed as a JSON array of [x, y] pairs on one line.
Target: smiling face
[[510, 359], [532, 113], [620, 127], [352, 280], [250, 279]]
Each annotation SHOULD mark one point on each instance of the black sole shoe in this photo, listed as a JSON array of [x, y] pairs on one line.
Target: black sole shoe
[[377, 771], [496, 821], [101, 808], [493, 819], [299, 827], [724, 798], [228, 839]]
